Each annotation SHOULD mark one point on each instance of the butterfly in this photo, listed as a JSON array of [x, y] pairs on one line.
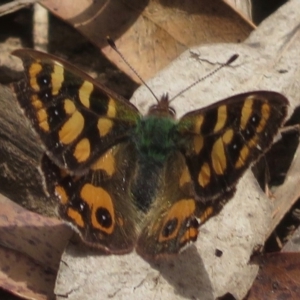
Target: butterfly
[[125, 181]]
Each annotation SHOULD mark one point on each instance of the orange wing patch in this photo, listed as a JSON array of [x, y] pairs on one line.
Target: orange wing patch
[[101, 206]]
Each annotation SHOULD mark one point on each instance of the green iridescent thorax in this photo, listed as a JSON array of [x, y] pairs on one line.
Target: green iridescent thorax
[[154, 137]]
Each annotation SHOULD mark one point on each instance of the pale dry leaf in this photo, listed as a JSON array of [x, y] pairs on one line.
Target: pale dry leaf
[[151, 33], [23, 277], [32, 246], [244, 222], [242, 6], [15, 5]]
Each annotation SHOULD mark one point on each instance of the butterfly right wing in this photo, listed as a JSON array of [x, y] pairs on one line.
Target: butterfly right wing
[[98, 205], [221, 141]]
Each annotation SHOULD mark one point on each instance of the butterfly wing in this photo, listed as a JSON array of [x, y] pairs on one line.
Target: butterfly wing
[[220, 141], [171, 222], [97, 205], [76, 117]]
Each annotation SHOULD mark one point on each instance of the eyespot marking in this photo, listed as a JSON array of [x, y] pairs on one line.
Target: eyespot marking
[[178, 213], [101, 207]]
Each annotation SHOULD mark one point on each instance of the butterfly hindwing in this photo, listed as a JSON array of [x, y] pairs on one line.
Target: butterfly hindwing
[[76, 118], [98, 204], [220, 141], [171, 222]]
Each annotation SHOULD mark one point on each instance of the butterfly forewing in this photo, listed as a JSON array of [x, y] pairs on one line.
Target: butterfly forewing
[[221, 141], [76, 118]]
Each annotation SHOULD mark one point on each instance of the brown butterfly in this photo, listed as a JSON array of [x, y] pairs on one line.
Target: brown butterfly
[[125, 181]]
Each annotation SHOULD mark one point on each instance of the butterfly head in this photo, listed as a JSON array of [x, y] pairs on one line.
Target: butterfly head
[[163, 108]]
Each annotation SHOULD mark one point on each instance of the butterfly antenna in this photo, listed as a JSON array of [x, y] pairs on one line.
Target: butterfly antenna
[[229, 61], [114, 47]]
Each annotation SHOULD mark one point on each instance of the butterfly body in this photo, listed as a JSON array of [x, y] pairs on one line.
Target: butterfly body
[[124, 181]]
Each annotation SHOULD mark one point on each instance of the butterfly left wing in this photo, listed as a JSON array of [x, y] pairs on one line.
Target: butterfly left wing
[[220, 141], [98, 204], [76, 117]]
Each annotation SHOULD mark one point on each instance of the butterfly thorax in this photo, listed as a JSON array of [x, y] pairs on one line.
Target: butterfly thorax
[[154, 138]]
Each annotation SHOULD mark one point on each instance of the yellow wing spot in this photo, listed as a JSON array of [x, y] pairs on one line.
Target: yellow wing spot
[[198, 124], [61, 193], [180, 211], [204, 175], [111, 110], [45, 126], [95, 198], [34, 70], [218, 157], [43, 119], [227, 136], [85, 92], [246, 112], [206, 214], [222, 117], [198, 143], [69, 106], [104, 126], [82, 150], [265, 112], [57, 79], [106, 162], [185, 177], [244, 153], [36, 102], [75, 216], [253, 142], [71, 129]]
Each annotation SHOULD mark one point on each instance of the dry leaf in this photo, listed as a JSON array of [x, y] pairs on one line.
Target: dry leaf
[[151, 33], [32, 246], [278, 278]]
